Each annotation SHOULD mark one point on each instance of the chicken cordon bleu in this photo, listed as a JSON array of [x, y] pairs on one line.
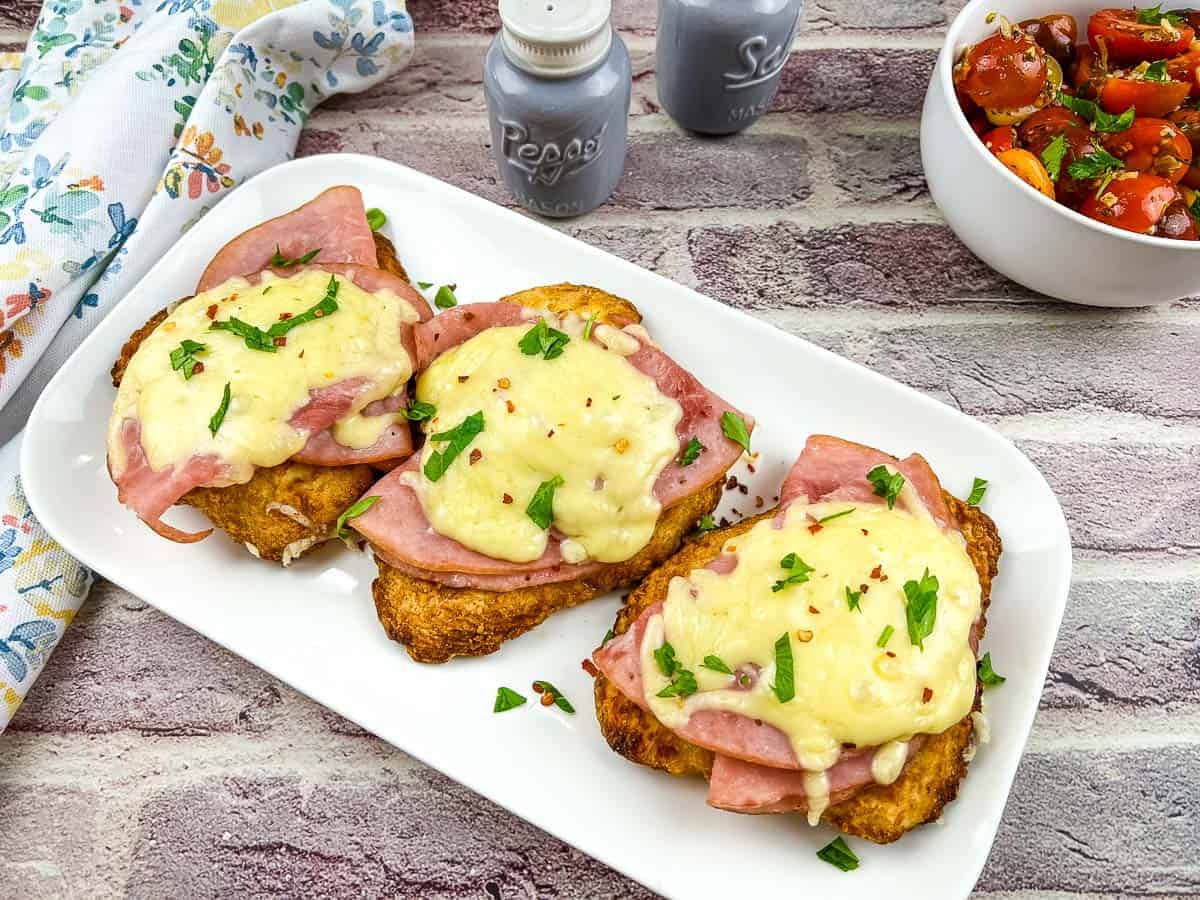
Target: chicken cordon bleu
[[565, 455], [265, 398], [819, 658]]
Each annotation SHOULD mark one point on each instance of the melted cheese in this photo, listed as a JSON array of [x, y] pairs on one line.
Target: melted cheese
[[847, 689], [888, 761], [361, 339], [588, 416]]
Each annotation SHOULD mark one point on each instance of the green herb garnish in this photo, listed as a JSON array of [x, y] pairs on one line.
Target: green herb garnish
[[987, 674], [543, 339], [921, 610], [356, 509], [257, 339], [456, 440], [785, 680], [836, 515], [1153, 15], [376, 219], [852, 600], [887, 484], [683, 682], [734, 427], [1156, 72], [541, 505], [978, 489], [608, 636], [1053, 155], [1094, 165], [716, 664], [589, 325], [665, 657], [506, 699], [838, 854], [279, 261], [419, 411], [214, 424], [444, 298], [1104, 121], [183, 357], [798, 571], [424, 285], [559, 700], [691, 452], [885, 636], [706, 524]]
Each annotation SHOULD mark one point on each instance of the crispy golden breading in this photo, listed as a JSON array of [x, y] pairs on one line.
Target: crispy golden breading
[[437, 622], [285, 510], [880, 813]]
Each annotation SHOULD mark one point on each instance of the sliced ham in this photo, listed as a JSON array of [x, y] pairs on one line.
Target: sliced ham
[[334, 221], [401, 534], [395, 442], [755, 768]]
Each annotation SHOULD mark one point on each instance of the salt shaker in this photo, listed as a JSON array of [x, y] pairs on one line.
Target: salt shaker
[[557, 81], [719, 61]]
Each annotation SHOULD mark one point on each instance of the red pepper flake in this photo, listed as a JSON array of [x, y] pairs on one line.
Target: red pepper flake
[[864, 587], [815, 527], [750, 466], [550, 433], [865, 532], [198, 368], [926, 695], [876, 572], [508, 404], [469, 316], [589, 402], [506, 499], [882, 578], [301, 354], [537, 687], [462, 378], [814, 610], [280, 341], [547, 699], [476, 456], [590, 667], [211, 312], [283, 317], [891, 654]]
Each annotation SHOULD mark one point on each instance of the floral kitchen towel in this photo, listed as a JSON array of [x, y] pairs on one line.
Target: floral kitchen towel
[[120, 126]]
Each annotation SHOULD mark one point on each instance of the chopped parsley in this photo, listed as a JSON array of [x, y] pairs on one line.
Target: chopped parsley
[[376, 219], [183, 357], [798, 571], [214, 424], [683, 682], [887, 484], [541, 504], [1156, 72], [444, 298], [608, 636], [978, 488], [355, 510], [506, 699], [589, 325], [989, 676], [1153, 15], [1053, 155], [559, 700], [852, 600], [691, 452], [716, 664], [921, 609], [665, 657], [257, 339], [734, 427], [836, 515], [839, 855], [424, 285], [543, 339], [279, 261], [785, 679], [419, 411], [1103, 121], [885, 636], [706, 524], [1095, 165], [456, 440]]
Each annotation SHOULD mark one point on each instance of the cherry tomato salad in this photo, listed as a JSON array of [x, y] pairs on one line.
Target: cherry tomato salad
[[1109, 127]]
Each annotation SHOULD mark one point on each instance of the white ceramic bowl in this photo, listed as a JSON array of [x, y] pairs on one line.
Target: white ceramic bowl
[[1018, 231]]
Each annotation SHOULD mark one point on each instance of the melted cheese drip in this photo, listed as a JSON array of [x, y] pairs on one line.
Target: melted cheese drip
[[609, 451], [361, 339], [888, 761], [848, 690]]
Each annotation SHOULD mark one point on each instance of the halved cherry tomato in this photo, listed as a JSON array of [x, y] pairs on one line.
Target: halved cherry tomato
[[1177, 223], [1148, 98], [1128, 40], [1002, 72], [1188, 121], [1133, 201], [1055, 34], [1152, 145], [1186, 68], [1029, 169], [1087, 76], [1000, 139], [1041, 129]]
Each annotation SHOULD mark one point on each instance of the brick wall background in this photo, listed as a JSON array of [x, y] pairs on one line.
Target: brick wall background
[[150, 763]]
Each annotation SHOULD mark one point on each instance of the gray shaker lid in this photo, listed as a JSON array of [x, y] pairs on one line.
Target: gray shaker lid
[[556, 38]]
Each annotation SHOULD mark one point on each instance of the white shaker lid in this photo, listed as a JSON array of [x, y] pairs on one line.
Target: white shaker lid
[[556, 38]]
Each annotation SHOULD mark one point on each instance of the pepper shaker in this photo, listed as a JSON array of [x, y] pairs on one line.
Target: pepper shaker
[[719, 61], [557, 80]]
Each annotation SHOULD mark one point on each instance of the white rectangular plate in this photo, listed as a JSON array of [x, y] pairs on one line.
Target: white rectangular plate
[[313, 625]]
